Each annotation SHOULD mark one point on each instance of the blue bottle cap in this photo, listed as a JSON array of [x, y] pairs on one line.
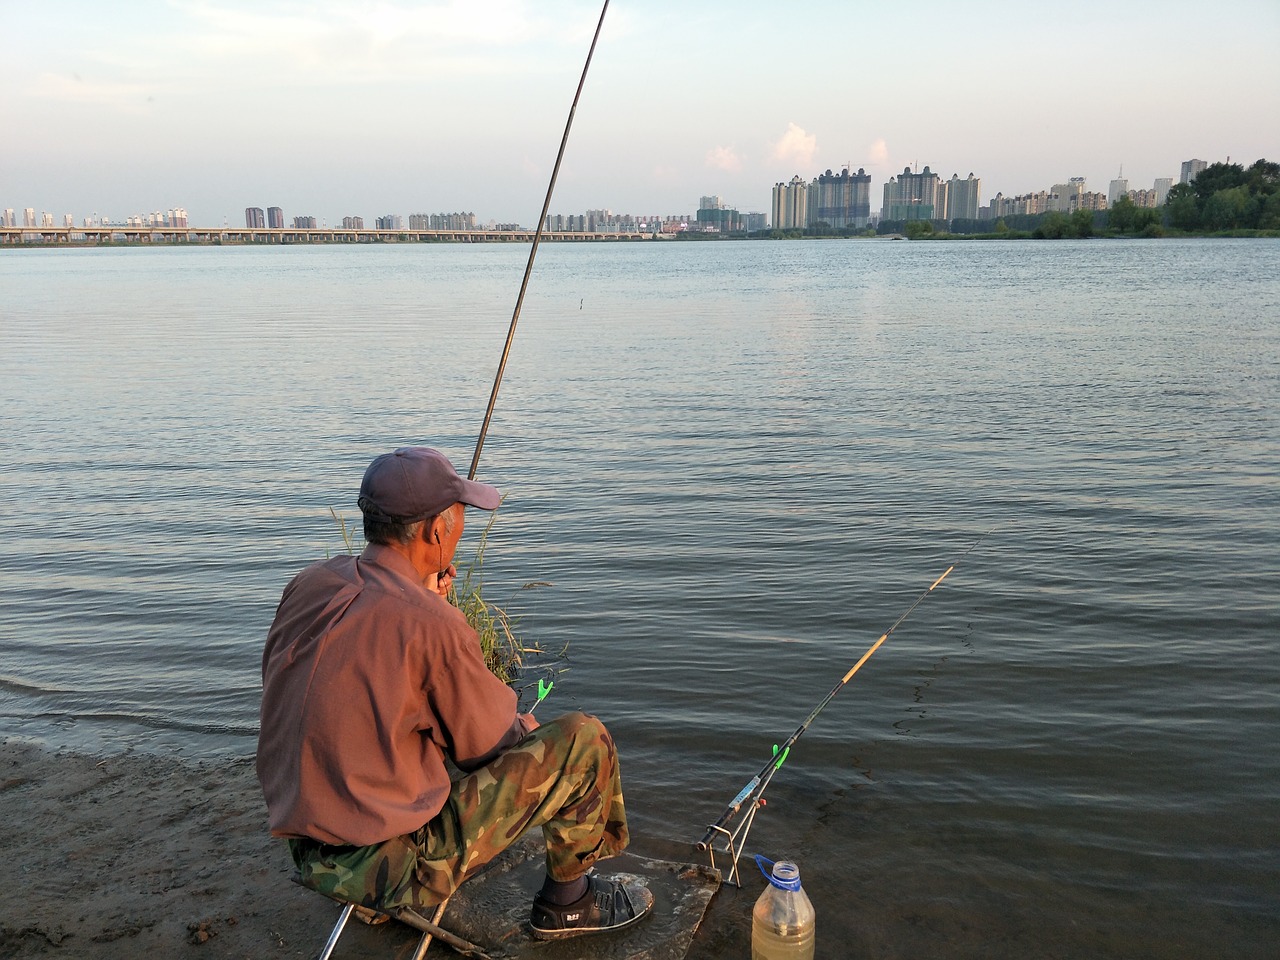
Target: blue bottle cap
[[784, 874]]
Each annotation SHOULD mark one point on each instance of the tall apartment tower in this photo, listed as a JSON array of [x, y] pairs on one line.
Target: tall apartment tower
[[911, 196], [9, 219], [1162, 186], [1119, 188], [275, 218], [964, 197], [253, 218], [1066, 197], [839, 200], [790, 204], [1190, 169], [29, 217]]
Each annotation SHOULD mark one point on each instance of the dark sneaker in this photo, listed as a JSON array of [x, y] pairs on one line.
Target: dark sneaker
[[609, 904]]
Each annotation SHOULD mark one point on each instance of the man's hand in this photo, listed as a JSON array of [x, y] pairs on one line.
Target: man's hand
[[442, 581]]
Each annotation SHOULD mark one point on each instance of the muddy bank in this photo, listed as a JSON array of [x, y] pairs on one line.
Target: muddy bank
[[143, 856], [133, 856]]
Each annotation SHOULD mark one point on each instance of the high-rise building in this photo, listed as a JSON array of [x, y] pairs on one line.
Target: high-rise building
[[253, 218], [1119, 187], [839, 200], [304, 223], [790, 204], [29, 217], [1190, 168], [178, 217], [714, 217], [964, 197], [1162, 186], [940, 209], [1065, 197], [911, 196], [9, 220], [353, 223], [275, 218], [456, 221]]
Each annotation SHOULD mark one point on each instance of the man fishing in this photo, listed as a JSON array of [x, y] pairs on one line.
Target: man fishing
[[373, 682]]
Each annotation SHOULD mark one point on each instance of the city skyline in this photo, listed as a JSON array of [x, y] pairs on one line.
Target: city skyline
[[449, 106], [958, 197]]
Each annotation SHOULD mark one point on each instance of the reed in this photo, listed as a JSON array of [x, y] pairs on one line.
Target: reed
[[505, 651]]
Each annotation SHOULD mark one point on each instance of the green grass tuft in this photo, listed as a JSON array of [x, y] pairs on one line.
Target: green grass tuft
[[505, 652]]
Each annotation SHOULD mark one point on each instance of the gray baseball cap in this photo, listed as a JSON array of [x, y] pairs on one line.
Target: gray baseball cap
[[413, 483]]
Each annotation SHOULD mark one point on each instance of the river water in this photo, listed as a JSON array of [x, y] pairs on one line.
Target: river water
[[737, 464]]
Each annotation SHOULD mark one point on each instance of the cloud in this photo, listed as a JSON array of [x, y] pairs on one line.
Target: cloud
[[796, 147], [128, 97], [724, 158], [878, 154], [334, 42]]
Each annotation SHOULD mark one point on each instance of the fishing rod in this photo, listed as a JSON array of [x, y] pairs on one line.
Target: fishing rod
[[751, 797], [543, 687], [533, 252]]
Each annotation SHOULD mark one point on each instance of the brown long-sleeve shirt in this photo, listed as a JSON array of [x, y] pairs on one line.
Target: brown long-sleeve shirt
[[368, 681]]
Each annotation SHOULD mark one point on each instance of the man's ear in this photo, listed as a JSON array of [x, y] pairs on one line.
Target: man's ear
[[432, 529]]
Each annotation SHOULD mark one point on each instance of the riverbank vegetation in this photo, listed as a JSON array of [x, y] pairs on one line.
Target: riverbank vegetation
[[1224, 200], [506, 652]]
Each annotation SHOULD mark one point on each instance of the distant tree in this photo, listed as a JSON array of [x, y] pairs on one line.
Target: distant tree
[[1052, 226], [1230, 209], [916, 229], [1263, 176], [1181, 209], [1122, 217], [1001, 227], [1082, 223], [1145, 218], [1269, 215], [1215, 177]]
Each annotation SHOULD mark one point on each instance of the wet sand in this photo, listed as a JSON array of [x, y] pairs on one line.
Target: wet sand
[[142, 856], [133, 856]]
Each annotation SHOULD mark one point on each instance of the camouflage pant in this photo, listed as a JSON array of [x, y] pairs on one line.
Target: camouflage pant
[[562, 777]]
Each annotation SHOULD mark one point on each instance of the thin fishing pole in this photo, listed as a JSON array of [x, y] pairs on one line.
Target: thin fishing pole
[[756, 785], [533, 252]]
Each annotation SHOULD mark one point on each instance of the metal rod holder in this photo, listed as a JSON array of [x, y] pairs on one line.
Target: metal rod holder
[[734, 843]]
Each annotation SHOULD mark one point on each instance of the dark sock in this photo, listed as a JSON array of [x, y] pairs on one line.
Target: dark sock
[[563, 894]]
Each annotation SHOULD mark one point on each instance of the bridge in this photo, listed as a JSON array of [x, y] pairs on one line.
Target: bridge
[[94, 236]]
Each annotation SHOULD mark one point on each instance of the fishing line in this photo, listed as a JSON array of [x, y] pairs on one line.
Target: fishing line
[[533, 252], [751, 797], [543, 689]]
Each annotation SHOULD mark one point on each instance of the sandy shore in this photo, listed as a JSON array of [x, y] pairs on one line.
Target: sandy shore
[[143, 856], [139, 856]]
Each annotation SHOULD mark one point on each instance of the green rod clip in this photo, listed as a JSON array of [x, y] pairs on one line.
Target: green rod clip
[[544, 688], [782, 759]]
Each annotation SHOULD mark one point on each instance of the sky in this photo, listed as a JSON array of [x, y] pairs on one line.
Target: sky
[[333, 108]]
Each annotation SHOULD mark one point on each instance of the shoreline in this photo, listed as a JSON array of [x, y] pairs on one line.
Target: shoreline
[[133, 854], [6, 245]]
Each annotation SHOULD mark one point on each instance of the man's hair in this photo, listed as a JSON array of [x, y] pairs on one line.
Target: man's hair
[[397, 531]]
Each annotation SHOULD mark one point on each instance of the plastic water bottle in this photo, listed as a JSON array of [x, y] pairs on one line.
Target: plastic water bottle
[[783, 923]]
